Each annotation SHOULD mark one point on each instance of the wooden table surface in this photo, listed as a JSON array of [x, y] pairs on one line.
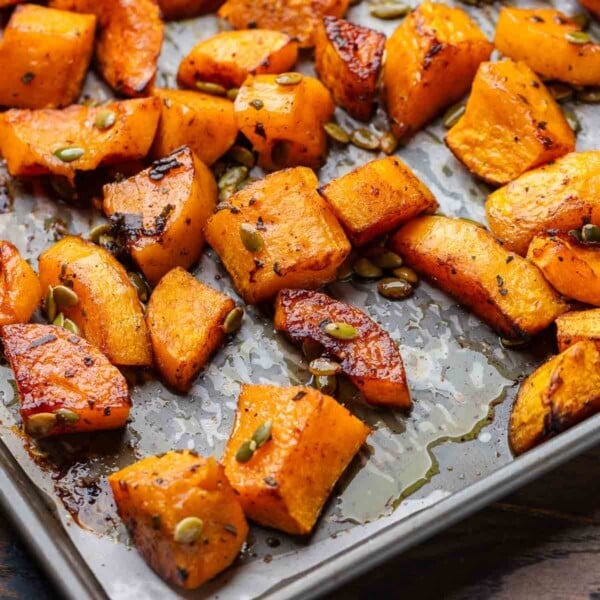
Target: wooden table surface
[[542, 542]]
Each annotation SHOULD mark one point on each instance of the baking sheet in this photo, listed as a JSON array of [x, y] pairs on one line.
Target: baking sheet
[[462, 381]]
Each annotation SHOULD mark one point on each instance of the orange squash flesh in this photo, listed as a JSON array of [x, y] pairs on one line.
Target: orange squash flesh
[[174, 10], [577, 326]]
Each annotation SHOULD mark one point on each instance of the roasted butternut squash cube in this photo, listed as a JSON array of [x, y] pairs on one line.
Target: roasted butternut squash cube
[[185, 318], [229, 57], [431, 60], [63, 142], [503, 289], [203, 122], [349, 59], [562, 195], [371, 360], [296, 18], [174, 10], [559, 394], [44, 55], [65, 384], [184, 517], [287, 479], [284, 123], [577, 326], [129, 41], [571, 267], [108, 311], [161, 212], [511, 124], [278, 233], [377, 197], [543, 43], [20, 289]]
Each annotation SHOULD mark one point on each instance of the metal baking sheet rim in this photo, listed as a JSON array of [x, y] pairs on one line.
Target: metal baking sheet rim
[[26, 508]]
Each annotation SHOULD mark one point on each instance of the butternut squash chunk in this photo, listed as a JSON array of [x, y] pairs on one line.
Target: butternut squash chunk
[[571, 267], [65, 384], [543, 43], [593, 6], [284, 123], [431, 60], [286, 481], [108, 311], [503, 289], [20, 289], [563, 195], [203, 122], [296, 18], [174, 10], [182, 514], [63, 142], [278, 233], [161, 212], [371, 360], [559, 394], [377, 197], [229, 57], [349, 59], [44, 56], [577, 326], [185, 318], [511, 124]]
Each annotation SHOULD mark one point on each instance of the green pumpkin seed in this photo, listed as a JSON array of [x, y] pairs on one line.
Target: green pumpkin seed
[[71, 326], [40, 424], [67, 416], [227, 192], [232, 93], [245, 451], [69, 154], [65, 297], [233, 320], [453, 115], [188, 530], [312, 349], [366, 269], [233, 176], [289, 78], [385, 259], [326, 384], [578, 37], [50, 304], [214, 89], [572, 120], [560, 91], [257, 103], [243, 156], [590, 233], [141, 286], [388, 142], [582, 20], [389, 10], [95, 233], [324, 366], [365, 139], [59, 320], [589, 95], [506, 343], [407, 274], [341, 331], [105, 119], [576, 233], [252, 240], [394, 289], [263, 434], [336, 132]]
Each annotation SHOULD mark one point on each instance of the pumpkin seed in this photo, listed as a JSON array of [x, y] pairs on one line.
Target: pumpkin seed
[[324, 366], [188, 530], [59, 320], [64, 296], [257, 103], [245, 451], [69, 154], [312, 349], [233, 320], [336, 132], [589, 95], [227, 192], [365, 139], [326, 384], [71, 326], [506, 343], [105, 119], [95, 233], [263, 434], [389, 10], [366, 269], [232, 93], [40, 424], [141, 286], [50, 304], [243, 156], [385, 259], [214, 89], [590, 233], [560, 91], [233, 176], [252, 240], [582, 20], [576, 233], [572, 120], [67, 416], [407, 274], [578, 37], [388, 142], [289, 78], [453, 115], [341, 331], [394, 289]]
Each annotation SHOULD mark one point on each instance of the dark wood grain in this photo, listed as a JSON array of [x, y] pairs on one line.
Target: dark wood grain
[[541, 542]]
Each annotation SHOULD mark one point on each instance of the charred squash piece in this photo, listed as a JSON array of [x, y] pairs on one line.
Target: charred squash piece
[[285, 482], [20, 289], [161, 212], [431, 60], [296, 18], [511, 124], [185, 318], [349, 59], [278, 233], [107, 311], [44, 56], [63, 142], [203, 122], [559, 394], [563, 195], [284, 123], [65, 384], [183, 516], [174, 10], [229, 57], [503, 289], [577, 326], [377, 197], [571, 267], [543, 43], [371, 360], [129, 42]]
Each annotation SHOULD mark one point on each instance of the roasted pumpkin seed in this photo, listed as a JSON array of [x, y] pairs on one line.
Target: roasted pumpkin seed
[[560, 91], [365, 139], [572, 120], [50, 304], [394, 289], [263, 434], [188, 530], [385, 259], [233, 320], [71, 326], [336, 132], [578, 37], [590, 233], [388, 142], [64, 296], [589, 95], [407, 274], [289, 78], [366, 269], [257, 103], [312, 349], [252, 240], [453, 115], [40, 424], [389, 10], [582, 20], [67, 416], [227, 192], [59, 320], [341, 331], [69, 154], [506, 343], [233, 176], [210, 88], [326, 384], [324, 366], [243, 156], [141, 286], [105, 119], [245, 451], [576, 233], [95, 233], [232, 93]]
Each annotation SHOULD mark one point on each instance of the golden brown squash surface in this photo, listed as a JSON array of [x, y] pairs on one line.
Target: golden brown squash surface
[[577, 326]]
